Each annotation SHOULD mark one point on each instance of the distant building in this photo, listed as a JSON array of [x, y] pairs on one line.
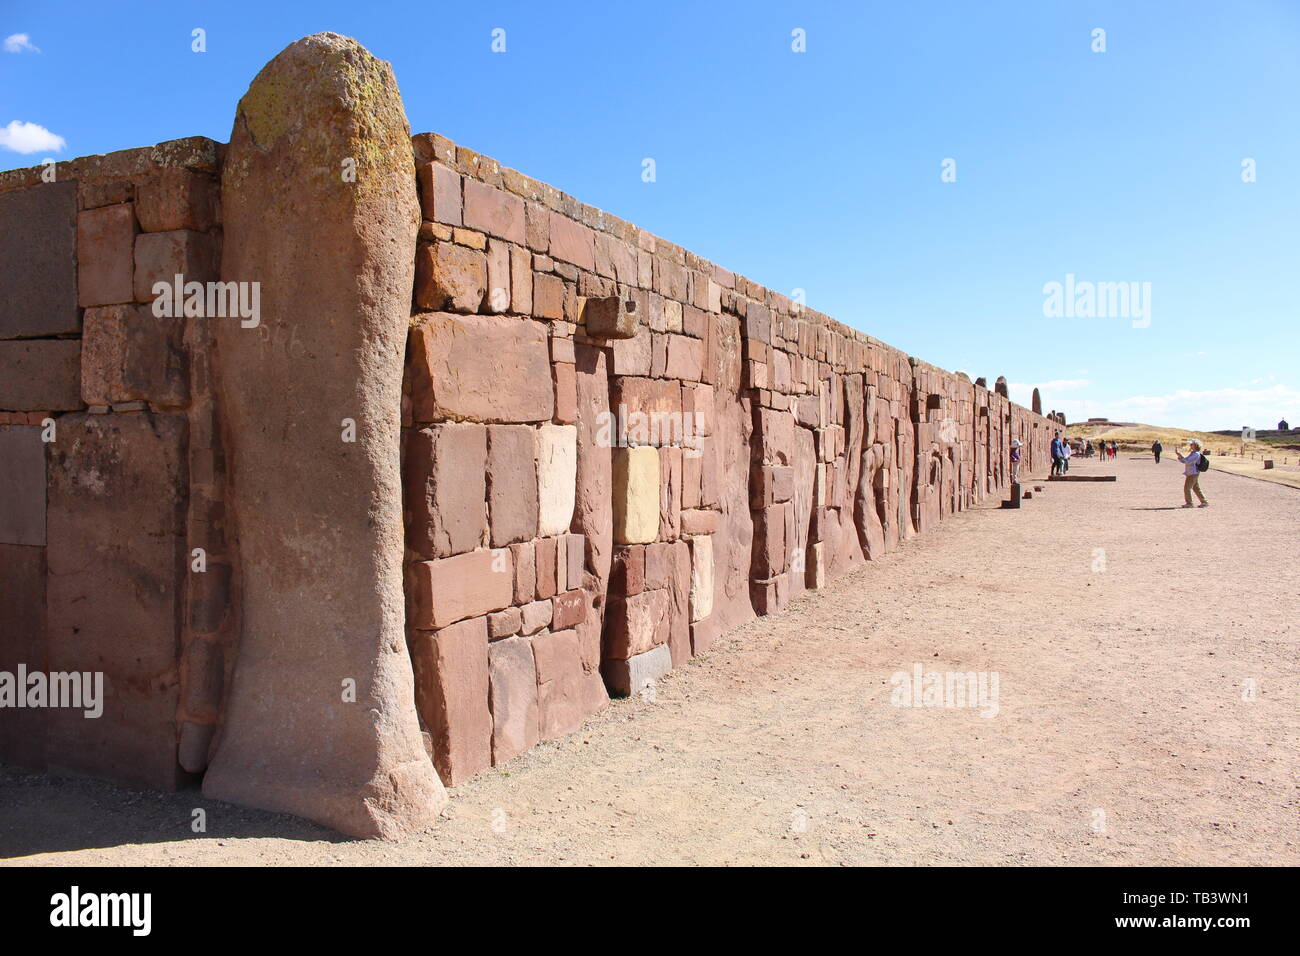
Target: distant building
[[1283, 426], [1247, 433]]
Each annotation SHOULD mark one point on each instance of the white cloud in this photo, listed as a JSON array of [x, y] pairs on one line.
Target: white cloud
[[1207, 410], [29, 138], [20, 43]]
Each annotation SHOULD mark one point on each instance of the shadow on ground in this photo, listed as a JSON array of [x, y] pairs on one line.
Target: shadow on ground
[[79, 813]]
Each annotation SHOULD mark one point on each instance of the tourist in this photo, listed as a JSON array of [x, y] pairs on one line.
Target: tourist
[[1192, 474], [1156, 449], [1066, 452], [1057, 454]]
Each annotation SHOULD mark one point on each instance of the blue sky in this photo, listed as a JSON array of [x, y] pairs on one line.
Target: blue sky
[[822, 170]]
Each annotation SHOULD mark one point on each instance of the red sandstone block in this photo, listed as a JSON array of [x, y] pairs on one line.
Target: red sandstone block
[[536, 615], [685, 358], [548, 296], [647, 396], [692, 465], [449, 276], [512, 484], [628, 573], [440, 193], [467, 585], [566, 393], [758, 323], [566, 691], [669, 279], [670, 493], [504, 623], [636, 623], [445, 486], [105, 255], [546, 567], [498, 276], [452, 691], [537, 227], [569, 609], [782, 482], [698, 521], [658, 565], [524, 558], [161, 256], [494, 211], [513, 681], [175, 198], [521, 280], [572, 242], [575, 547], [481, 368]]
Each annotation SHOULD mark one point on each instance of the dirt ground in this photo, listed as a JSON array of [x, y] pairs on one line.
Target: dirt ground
[[1125, 634]]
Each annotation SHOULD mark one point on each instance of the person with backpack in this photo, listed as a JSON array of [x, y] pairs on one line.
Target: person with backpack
[[1194, 463], [1015, 461], [1156, 449]]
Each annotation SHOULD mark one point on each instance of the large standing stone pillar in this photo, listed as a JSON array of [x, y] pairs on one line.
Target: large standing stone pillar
[[317, 518]]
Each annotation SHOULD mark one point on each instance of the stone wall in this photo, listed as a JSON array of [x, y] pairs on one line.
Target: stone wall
[[610, 450], [571, 532], [109, 460]]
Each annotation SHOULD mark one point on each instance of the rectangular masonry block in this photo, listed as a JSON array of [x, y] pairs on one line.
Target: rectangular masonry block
[[38, 264], [625, 678], [130, 355], [512, 484], [498, 276], [161, 256], [445, 488], [40, 375], [536, 615], [23, 641], [568, 609], [547, 576], [524, 557], [557, 473], [451, 693], [467, 585], [105, 255], [572, 242], [482, 368], [440, 197], [610, 317], [513, 677], [22, 486], [494, 211], [636, 623], [175, 198], [449, 276], [701, 593], [635, 489]]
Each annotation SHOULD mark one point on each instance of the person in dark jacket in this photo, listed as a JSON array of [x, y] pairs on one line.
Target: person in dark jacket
[[1156, 449]]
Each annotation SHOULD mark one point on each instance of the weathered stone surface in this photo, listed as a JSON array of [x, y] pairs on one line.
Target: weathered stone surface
[[130, 355], [504, 623], [633, 675], [451, 691], [547, 575], [635, 486], [23, 641], [557, 464], [610, 317], [483, 368], [105, 254], [572, 242], [22, 476], [514, 698], [336, 267], [637, 623], [176, 198], [566, 393], [116, 539], [440, 196], [512, 483], [494, 211], [467, 585], [524, 557], [566, 693], [161, 256], [498, 276], [38, 245], [40, 375], [446, 489], [450, 276], [536, 615], [701, 577], [569, 609]]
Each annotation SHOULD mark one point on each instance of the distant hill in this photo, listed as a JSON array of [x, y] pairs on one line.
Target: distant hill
[[1131, 435]]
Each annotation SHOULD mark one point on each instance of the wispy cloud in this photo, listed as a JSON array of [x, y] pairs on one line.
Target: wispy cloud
[[20, 43], [30, 138]]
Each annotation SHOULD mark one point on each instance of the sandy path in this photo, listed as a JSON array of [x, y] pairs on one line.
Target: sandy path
[[1121, 737]]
